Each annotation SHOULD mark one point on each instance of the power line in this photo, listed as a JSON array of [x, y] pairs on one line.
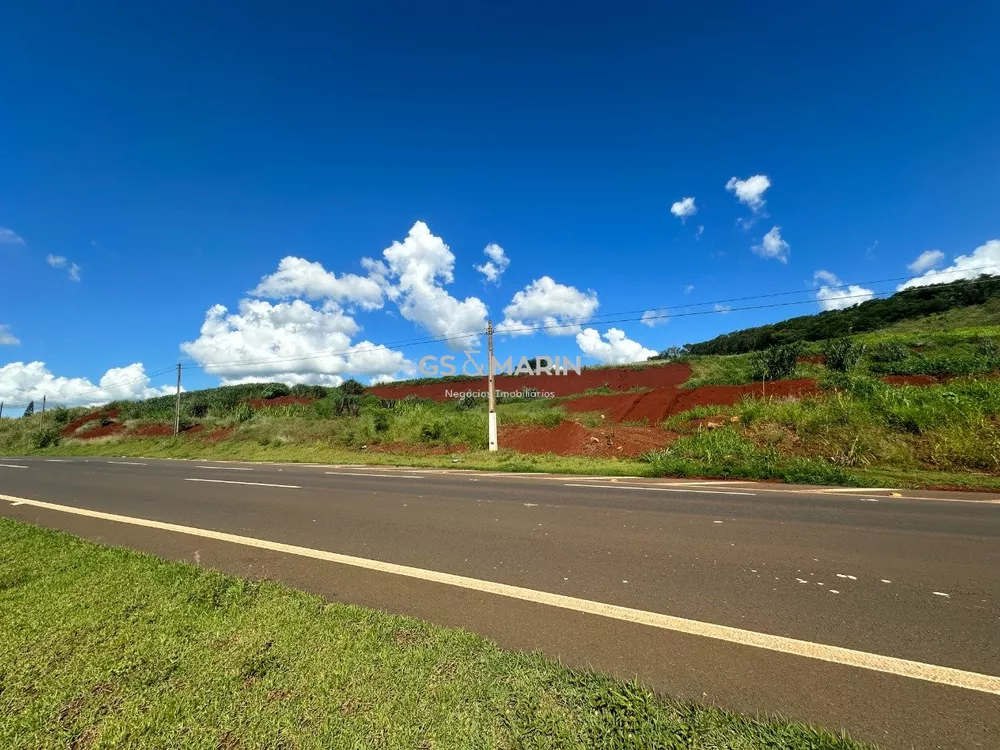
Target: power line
[[574, 322]]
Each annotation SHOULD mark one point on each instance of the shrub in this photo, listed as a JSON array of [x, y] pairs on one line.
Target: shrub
[[468, 401], [888, 351], [432, 431], [988, 348], [60, 415], [352, 387], [45, 437], [346, 405], [775, 363], [242, 412], [381, 422], [842, 355], [198, 409], [301, 390], [274, 390]]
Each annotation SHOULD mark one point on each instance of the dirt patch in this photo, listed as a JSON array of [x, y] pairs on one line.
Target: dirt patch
[[655, 406], [728, 395], [221, 434], [115, 428], [155, 430], [573, 439], [193, 429], [615, 378], [76, 424], [811, 359], [263, 403], [911, 380]]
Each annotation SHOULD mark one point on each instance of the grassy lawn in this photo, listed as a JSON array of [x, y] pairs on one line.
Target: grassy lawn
[[110, 648]]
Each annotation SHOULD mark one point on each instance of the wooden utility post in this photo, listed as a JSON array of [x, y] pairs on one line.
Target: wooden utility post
[[492, 435], [43, 403], [177, 406]]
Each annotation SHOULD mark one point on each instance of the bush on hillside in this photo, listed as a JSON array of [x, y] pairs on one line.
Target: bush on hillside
[[888, 351], [843, 355], [775, 363], [351, 387]]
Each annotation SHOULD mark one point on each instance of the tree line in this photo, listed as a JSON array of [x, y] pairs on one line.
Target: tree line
[[868, 316]]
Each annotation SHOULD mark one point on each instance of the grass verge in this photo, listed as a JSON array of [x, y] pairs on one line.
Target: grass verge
[[110, 648]]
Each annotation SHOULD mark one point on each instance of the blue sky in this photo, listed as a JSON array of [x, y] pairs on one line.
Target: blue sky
[[177, 155]]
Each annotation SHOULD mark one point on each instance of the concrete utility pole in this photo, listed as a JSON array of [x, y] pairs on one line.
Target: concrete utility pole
[[43, 403], [493, 396], [1, 408], [177, 406]]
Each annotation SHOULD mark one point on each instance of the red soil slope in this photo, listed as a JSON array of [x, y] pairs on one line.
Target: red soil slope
[[616, 378], [573, 439], [657, 405]]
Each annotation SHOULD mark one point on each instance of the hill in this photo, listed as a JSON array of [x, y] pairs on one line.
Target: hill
[[966, 304]]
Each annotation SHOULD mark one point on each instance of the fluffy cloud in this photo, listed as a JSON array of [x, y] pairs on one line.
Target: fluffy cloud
[[544, 302], [614, 348], [688, 289], [498, 261], [23, 382], [926, 261], [59, 261], [773, 246], [10, 237], [985, 259], [655, 317], [833, 295], [292, 342], [721, 308], [413, 273], [750, 192], [297, 277], [6, 337], [684, 208]]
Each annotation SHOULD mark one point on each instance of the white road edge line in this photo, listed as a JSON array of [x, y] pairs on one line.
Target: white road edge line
[[226, 468], [659, 489], [58, 461], [370, 474], [126, 463], [233, 481], [14, 466], [983, 683]]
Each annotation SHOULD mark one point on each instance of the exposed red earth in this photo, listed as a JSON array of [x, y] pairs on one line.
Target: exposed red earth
[[615, 378], [656, 405], [573, 439]]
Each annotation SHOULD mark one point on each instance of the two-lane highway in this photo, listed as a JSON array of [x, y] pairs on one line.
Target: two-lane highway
[[757, 597]]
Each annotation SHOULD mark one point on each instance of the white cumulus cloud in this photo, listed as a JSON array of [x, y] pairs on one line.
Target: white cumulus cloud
[[613, 348], [298, 277], [414, 273], [21, 383], [750, 192], [926, 261], [773, 246], [721, 308], [6, 337], [545, 302], [985, 259], [498, 261], [684, 208], [655, 317], [56, 261], [834, 295], [291, 342], [10, 237]]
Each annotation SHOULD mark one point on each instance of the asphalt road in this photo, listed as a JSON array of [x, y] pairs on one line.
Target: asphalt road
[[913, 578]]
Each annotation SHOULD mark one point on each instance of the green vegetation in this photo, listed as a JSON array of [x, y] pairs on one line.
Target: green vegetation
[[863, 424], [872, 315], [109, 648]]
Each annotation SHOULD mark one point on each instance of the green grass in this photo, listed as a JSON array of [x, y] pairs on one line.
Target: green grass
[[109, 648], [986, 314]]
